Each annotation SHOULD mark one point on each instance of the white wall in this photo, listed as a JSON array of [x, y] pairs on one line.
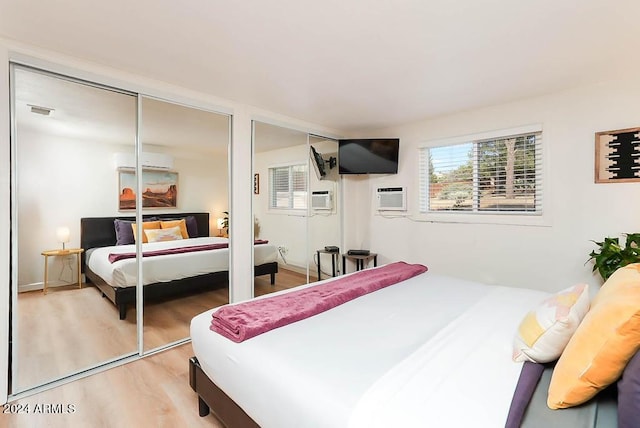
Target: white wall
[[287, 228], [577, 210]]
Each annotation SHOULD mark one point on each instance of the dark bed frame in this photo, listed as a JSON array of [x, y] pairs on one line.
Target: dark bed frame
[[100, 232], [212, 398]]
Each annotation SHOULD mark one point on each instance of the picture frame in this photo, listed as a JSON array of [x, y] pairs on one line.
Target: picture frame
[[618, 156], [256, 184], [160, 189]]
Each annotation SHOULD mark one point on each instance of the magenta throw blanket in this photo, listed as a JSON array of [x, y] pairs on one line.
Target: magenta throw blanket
[[246, 320], [114, 257]]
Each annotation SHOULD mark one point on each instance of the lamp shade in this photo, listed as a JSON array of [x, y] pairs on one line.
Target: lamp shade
[[220, 222], [63, 234]]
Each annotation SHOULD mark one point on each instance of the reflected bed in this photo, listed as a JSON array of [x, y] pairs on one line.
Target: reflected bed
[[164, 275]]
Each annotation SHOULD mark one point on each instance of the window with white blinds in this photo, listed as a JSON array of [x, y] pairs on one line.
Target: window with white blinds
[[499, 175], [288, 187]]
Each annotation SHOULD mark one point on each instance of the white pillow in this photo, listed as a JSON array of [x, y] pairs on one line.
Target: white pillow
[[545, 331], [159, 235]]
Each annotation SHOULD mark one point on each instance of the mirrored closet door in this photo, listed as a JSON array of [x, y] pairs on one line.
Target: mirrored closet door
[[89, 164], [64, 135], [324, 222], [185, 197], [292, 171]]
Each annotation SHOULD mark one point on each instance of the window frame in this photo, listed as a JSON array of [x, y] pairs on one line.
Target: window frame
[[290, 210], [540, 217]]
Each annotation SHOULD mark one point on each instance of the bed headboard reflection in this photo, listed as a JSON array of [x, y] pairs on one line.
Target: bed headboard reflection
[[101, 232]]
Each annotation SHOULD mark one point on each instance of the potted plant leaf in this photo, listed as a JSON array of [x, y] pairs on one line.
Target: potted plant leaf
[[225, 220], [611, 255]]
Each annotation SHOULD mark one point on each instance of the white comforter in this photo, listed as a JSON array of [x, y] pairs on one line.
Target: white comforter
[[166, 268], [432, 351]]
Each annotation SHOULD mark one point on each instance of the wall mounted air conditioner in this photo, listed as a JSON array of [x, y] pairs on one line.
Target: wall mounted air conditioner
[[149, 160], [391, 199], [321, 200]]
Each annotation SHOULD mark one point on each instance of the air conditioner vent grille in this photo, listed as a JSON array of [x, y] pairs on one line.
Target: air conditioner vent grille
[[391, 199], [321, 200]]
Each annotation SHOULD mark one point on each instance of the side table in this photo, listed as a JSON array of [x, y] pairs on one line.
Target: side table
[[58, 253], [359, 260], [334, 261]]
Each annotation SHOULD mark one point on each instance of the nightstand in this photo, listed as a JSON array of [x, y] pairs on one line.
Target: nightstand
[[359, 261], [334, 261], [59, 253]]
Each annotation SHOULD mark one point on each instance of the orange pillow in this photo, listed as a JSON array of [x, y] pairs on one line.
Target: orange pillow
[[145, 225], [182, 224], [603, 344], [625, 278]]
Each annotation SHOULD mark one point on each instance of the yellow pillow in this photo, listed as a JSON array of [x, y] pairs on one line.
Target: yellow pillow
[[603, 344], [182, 224], [545, 331], [145, 225], [625, 278], [162, 235]]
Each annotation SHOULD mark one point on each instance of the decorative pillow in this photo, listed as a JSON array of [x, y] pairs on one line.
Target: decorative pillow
[[145, 225], [545, 331], [605, 341], [192, 226], [182, 224], [161, 235], [124, 232], [625, 279], [629, 394]]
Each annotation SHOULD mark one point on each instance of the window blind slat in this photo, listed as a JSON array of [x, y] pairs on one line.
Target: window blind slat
[[288, 187], [498, 175]]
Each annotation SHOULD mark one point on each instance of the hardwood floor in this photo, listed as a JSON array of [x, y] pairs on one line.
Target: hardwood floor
[[151, 392], [71, 329]]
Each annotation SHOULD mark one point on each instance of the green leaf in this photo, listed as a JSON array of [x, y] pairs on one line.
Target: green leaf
[[610, 256]]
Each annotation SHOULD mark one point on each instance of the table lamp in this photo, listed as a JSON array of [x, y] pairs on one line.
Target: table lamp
[[63, 236]]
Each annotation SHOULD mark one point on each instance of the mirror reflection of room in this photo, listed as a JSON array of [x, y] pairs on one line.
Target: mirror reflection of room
[[75, 202], [196, 142], [324, 225], [282, 206], [183, 191], [65, 135]]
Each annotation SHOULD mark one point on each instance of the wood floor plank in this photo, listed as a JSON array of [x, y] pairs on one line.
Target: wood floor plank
[[151, 392], [57, 335], [71, 329]]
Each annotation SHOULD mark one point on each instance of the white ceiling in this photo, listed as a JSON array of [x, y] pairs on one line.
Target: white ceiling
[[346, 64], [98, 115]]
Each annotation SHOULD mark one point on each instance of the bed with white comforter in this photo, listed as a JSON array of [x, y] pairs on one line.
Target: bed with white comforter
[[410, 355], [165, 268]]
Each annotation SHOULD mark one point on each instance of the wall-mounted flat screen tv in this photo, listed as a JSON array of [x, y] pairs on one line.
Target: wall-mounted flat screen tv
[[368, 156]]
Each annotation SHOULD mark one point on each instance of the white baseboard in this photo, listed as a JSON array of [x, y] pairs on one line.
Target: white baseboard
[[40, 285], [293, 268], [298, 269]]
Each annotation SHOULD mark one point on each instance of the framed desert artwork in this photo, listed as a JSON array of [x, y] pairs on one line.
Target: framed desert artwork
[[618, 156], [159, 189]]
